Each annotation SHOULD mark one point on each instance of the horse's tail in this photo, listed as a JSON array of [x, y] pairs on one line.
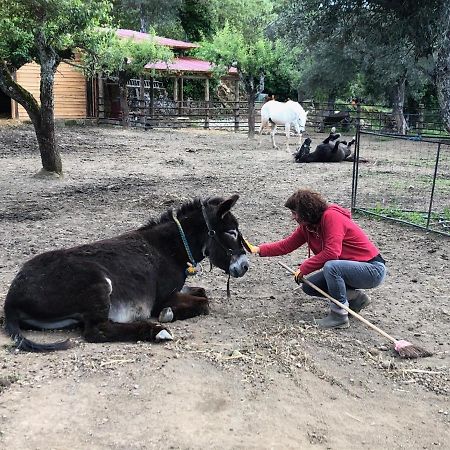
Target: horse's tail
[[12, 328]]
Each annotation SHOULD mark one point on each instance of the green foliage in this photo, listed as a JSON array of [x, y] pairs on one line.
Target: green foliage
[[251, 17], [252, 59], [123, 58], [197, 19], [141, 15], [63, 25], [364, 48]]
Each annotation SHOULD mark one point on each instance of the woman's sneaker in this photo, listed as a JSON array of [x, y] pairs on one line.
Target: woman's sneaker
[[357, 300]]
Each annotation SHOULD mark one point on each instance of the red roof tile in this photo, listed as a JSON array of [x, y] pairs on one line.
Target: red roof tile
[[172, 43], [186, 64], [180, 63]]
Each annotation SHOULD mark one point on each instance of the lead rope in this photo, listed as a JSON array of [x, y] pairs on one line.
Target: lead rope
[[193, 266]]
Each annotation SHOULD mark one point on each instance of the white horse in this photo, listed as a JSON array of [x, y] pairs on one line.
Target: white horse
[[287, 114]]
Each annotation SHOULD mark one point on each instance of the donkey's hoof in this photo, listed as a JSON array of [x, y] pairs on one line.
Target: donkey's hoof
[[166, 315], [163, 335]]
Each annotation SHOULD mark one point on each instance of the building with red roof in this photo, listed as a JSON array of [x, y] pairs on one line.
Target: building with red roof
[[146, 90]]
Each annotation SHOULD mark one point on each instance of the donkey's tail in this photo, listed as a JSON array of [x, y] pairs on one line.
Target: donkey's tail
[[22, 343]]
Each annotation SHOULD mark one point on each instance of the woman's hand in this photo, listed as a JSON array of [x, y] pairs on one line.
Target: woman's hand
[[298, 276], [253, 249]]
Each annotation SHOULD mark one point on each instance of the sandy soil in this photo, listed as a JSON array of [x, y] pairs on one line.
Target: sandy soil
[[254, 374]]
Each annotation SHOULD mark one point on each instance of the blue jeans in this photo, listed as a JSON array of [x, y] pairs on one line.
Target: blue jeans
[[339, 275]]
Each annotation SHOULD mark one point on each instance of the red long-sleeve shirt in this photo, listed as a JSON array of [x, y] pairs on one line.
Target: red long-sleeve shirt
[[335, 237]]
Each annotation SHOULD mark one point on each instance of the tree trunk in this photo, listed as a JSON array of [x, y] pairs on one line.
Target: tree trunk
[[398, 100], [42, 116], [123, 92], [331, 102], [45, 127], [251, 113], [252, 89], [443, 67]]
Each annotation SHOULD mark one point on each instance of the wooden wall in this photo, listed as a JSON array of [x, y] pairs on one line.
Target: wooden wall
[[69, 90]]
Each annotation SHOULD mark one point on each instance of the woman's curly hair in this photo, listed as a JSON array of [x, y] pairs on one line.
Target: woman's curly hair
[[308, 205]]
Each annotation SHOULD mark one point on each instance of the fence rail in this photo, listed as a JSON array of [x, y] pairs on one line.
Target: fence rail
[[403, 179], [164, 112]]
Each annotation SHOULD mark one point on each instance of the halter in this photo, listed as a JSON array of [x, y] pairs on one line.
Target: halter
[[193, 265], [213, 235]]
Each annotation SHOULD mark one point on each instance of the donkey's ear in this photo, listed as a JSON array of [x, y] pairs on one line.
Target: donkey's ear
[[226, 205]]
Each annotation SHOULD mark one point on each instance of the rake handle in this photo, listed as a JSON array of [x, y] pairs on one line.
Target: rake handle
[[338, 303]]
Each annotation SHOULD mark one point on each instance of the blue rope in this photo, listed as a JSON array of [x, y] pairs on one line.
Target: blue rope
[[192, 268]]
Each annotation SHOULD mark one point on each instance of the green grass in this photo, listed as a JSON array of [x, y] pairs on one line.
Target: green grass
[[418, 218]]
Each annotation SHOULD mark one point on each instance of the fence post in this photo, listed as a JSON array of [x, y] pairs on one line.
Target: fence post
[[420, 121], [152, 102], [101, 97], [358, 115], [436, 166], [141, 103], [207, 103], [236, 105]]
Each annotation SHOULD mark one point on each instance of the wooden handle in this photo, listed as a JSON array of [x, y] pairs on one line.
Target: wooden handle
[[338, 303]]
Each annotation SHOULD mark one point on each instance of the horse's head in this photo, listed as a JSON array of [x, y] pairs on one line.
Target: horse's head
[[224, 245]]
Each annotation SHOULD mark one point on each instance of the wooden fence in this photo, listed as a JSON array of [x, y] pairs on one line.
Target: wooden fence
[[231, 115]]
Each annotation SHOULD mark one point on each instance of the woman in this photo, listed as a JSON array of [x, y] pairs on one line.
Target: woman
[[344, 256]]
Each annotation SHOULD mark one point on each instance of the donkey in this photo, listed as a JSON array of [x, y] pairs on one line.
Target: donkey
[[123, 288], [331, 150], [287, 114]]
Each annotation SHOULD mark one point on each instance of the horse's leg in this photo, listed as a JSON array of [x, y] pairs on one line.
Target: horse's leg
[[272, 134], [98, 328], [183, 305], [287, 129], [299, 133], [261, 128]]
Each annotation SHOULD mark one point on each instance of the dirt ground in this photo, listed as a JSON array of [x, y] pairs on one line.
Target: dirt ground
[[254, 374]]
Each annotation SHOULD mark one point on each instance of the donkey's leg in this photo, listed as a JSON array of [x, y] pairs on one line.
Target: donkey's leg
[[194, 290], [181, 306], [98, 328], [108, 331]]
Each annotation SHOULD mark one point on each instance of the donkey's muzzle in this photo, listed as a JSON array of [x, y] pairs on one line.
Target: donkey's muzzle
[[238, 265]]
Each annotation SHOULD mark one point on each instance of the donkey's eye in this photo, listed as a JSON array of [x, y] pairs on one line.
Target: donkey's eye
[[232, 233]]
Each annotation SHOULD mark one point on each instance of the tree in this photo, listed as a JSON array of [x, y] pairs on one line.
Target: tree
[[45, 32], [390, 41], [253, 59], [197, 19], [124, 59], [443, 64], [48, 32], [141, 15]]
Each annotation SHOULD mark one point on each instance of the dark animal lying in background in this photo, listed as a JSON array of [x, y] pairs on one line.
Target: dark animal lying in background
[[342, 119], [304, 149], [121, 288], [331, 150]]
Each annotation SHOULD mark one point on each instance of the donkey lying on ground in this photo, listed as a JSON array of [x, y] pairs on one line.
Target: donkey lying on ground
[[287, 114], [331, 150], [115, 287]]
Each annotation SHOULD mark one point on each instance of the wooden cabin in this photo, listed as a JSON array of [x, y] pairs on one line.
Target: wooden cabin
[[70, 91]]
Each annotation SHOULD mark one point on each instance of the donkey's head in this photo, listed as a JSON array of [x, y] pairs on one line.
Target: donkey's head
[[224, 245]]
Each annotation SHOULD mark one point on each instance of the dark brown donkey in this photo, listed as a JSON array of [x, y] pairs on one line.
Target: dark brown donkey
[[118, 287]]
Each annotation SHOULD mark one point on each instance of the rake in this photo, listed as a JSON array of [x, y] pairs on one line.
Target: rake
[[404, 348]]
